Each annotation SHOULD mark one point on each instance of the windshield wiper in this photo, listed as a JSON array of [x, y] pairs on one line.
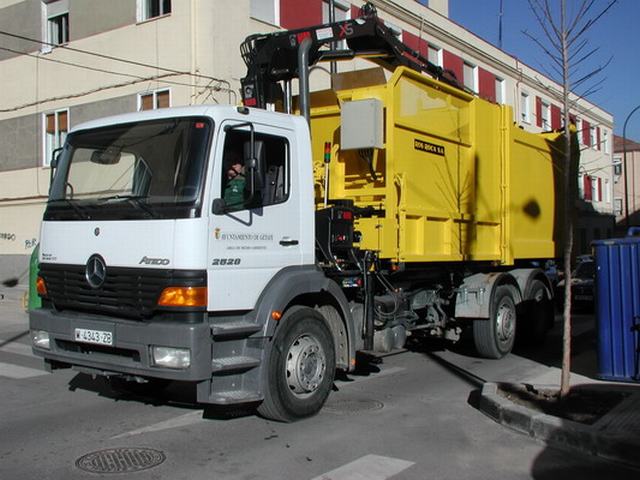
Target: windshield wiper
[[81, 213], [137, 201]]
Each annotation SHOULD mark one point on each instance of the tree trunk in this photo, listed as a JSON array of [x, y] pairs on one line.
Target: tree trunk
[[569, 202]]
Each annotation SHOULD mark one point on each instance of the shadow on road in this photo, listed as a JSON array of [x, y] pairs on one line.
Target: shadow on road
[[173, 394], [583, 347]]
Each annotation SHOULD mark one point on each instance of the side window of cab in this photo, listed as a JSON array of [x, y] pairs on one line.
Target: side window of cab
[[268, 173]]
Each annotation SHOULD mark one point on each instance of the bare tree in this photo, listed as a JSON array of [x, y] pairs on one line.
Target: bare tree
[[565, 43]]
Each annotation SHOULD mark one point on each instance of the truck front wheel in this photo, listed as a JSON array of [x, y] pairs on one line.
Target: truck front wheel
[[300, 367], [494, 337]]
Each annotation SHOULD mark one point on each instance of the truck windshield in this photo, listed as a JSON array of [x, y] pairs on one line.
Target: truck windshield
[[151, 169]]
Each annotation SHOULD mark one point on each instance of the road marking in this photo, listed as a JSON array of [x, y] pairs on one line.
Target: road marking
[[369, 467], [373, 376], [18, 349], [181, 421], [17, 372]]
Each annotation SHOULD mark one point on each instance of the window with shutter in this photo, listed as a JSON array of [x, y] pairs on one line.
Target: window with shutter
[[154, 100], [56, 126]]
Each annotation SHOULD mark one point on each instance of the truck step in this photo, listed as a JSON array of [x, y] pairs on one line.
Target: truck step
[[233, 364], [236, 396], [234, 329]]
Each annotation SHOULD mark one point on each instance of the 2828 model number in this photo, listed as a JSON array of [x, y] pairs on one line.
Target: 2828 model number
[[226, 261]]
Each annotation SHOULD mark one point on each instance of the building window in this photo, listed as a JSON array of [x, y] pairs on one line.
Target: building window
[[592, 137], [579, 129], [435, 55], [56, 126], [55, 23], [525, 108], [596, 189], [607, 191], [470, 76], [605, 141], [341, 12], [148, 9], [617, 167], [58, 29], [154, 100], [545, 113], [617, 206], [500, 90]]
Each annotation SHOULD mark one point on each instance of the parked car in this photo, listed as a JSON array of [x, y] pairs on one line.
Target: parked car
[[582, 285]]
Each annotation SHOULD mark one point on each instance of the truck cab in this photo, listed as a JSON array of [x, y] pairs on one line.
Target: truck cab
[[143, 261]]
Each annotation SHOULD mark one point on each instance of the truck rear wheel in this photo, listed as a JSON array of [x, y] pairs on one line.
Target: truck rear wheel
[[300, 367], [494, 337]]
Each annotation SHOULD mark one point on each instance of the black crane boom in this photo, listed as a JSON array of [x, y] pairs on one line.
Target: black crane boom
[[273, 58]]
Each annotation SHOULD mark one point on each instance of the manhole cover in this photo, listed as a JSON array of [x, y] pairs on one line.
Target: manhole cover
[[120, 460], [352, 406]]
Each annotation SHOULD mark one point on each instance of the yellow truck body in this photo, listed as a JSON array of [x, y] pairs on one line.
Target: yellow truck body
[[454, 180]]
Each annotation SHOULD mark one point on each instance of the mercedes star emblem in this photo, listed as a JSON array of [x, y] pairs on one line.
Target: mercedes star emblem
[[96, 271]]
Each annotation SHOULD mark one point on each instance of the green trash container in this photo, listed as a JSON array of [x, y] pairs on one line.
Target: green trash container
[[34, 298]]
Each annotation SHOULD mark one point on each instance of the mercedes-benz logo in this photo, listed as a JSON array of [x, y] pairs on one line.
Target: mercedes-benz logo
[[96, 271]]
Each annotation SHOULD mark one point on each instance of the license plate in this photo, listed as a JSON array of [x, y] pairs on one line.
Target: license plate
[[99, 337]]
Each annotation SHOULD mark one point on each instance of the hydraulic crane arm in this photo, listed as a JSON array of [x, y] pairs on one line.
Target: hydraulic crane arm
[[273, 58]]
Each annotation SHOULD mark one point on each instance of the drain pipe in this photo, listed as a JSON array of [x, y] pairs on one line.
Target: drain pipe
[[303, 75]]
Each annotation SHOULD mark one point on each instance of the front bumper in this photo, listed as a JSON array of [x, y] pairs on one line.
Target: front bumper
[[130, 353]]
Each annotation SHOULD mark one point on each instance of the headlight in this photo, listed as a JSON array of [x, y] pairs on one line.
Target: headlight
[[171, 357], [40, 339]]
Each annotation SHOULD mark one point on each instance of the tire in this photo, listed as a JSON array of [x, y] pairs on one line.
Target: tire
[[300, 367], [536, 316], [494, 337]]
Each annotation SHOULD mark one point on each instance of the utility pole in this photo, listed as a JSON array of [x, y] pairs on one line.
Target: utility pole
[[500, 26]]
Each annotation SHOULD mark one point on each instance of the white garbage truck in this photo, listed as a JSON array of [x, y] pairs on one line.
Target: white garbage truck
[[394, 205]]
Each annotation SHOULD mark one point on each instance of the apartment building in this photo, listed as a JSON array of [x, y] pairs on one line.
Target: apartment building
[[626, 181], [64, 62]]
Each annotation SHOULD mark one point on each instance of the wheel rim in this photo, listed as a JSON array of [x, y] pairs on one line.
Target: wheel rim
[[306, 365], [505, 322]]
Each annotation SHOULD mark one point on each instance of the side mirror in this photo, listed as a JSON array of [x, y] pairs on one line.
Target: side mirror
[[219, 206], [55, 158]]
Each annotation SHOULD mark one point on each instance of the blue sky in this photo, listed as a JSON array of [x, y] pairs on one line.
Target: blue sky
[[617, 34]]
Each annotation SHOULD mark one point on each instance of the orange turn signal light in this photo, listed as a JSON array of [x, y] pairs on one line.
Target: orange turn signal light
[[276, 315], [41, 287], [183, 297]]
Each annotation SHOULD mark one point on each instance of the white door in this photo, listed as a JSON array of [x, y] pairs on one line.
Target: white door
[[257, 237]]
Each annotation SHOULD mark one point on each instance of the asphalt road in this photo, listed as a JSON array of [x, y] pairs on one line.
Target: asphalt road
[[412, 417]]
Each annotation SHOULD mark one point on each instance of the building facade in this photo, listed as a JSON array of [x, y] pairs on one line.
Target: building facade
[[68, 61], [626, 180]]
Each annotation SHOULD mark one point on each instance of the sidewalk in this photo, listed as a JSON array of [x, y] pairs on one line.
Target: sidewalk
[[13, 314], [614, 436]]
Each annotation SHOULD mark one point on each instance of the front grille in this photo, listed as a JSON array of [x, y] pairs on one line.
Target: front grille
[[126, 292]]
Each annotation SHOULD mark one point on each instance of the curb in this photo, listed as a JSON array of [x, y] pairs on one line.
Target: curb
[[558, 432]]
